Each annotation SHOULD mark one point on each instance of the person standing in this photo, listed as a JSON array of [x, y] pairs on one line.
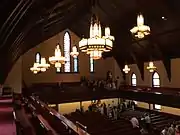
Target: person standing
[[171, 130], [164, 131], [135, 122], [147, 121]]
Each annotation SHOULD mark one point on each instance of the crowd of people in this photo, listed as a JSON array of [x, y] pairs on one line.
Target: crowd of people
[[110, 83], [112, 111], [173, 129]]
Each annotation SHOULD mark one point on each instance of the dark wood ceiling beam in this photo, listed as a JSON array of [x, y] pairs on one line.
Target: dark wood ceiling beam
[[21, 14], [27, 28], [10, 17]]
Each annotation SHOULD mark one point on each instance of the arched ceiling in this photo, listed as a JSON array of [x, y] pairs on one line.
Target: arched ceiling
[[26, 23]]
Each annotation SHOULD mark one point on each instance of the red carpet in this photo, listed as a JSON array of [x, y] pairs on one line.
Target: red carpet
[[7, 125]]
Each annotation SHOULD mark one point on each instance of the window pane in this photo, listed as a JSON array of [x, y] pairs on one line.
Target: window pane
[[133, 80], [38, 58], [156, 80], [67, 65], [158, 107], [91, 65], [76, 64], [133, 76]]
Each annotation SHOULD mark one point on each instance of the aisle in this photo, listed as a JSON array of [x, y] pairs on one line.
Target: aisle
[[7, 125]]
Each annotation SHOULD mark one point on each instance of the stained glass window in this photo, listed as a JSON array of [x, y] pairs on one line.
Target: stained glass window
[[76, 64], [38, 57], [133, 79], [91, 63], [67, 46]]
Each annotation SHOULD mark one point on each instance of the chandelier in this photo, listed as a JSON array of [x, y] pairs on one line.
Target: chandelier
[[96, 44], [35, 69], [140, 30], [43, 66], [151, 67], [74, 52], [57, 59], [126, 69]]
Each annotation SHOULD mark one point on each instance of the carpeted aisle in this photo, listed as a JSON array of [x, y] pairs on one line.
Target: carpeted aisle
[[7, 125]]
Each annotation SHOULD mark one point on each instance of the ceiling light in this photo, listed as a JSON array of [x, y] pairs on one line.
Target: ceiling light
[[57, 59], [74, 52], [151, 67], [35, 69], [126, 69], [96, 44], [141, 30], [43, 65]]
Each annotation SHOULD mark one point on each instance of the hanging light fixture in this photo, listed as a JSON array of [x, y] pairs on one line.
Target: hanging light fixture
[[74, 52], [35, 69], [151, 67], [141, 30], [126, 69], [57, 59], [96, 44], [43, 65]]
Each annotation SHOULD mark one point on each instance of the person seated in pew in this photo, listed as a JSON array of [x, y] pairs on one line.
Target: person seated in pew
[[164, 131], [135, 122]]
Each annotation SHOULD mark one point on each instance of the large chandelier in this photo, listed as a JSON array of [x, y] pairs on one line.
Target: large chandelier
[[140, 30], [151, 67], [43, 66], [35, 69], [96, 43], [126, 69], [74, 52], [57, 59]]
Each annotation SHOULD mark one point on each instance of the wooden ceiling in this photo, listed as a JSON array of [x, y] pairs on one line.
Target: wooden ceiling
[[26, 23]]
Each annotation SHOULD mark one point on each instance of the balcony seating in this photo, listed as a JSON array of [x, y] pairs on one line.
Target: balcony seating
[[100, 125], [158, 120]]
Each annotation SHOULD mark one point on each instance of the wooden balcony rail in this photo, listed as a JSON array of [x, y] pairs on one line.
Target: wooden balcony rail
[[78, 124], [63, 119]]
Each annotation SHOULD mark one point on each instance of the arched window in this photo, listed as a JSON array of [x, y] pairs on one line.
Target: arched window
[[67, 46], [156, 83], [76, 64], [38, 57], [133, 80], [155, 80], [91, 63]]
